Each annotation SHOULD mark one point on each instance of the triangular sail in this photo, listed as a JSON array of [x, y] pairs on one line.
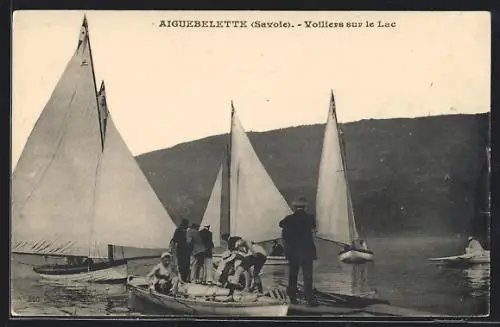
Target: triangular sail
[[61, 148], [53, 183], [334, 214], [127, 210], [256, 205], [212, 214]]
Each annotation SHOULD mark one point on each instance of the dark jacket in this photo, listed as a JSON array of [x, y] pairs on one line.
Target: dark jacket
[[180, 240], [206, 237], [298, 236]]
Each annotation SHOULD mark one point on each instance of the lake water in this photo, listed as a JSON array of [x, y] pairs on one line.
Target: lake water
[[400, 274]]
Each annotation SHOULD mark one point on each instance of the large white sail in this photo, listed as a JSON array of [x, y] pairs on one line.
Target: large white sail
[[212, 214], [127, 211], [256, 205], [334, 214], [53, 183]]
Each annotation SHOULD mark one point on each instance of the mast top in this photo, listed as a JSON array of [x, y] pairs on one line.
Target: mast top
[[232, 108], [333, 110]]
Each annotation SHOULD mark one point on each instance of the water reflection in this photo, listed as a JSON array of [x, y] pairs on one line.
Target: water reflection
[[350, 279], [478, 279], [91, 297]]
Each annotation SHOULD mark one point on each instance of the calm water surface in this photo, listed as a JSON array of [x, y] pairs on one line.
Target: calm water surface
[[400, 274]]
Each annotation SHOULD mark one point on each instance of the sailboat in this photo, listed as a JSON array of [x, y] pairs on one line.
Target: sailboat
[[77, 190], [255, 204], [334, 210]]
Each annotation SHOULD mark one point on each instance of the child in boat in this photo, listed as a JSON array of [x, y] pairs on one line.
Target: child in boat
[[164, 276]]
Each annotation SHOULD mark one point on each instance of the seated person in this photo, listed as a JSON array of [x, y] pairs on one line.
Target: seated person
[[164, 276], [277, 249], [363, 245], [473, 246]]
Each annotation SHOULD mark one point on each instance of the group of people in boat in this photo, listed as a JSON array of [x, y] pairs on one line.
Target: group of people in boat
[[192, 249], [189, 260], [240, 267]]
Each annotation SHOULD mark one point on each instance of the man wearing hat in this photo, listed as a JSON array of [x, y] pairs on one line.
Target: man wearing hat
[[207, 238], [300, 251]]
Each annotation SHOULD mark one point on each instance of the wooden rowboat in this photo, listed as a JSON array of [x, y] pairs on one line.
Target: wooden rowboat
[[207, 301]]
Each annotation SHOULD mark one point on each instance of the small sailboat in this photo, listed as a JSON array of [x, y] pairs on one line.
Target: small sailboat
[[334, 210], [77, 191], [255, 204]]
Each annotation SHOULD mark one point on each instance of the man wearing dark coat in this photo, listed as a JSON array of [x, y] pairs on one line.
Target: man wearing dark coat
[[300, 251], [182, 250], [207, 238]]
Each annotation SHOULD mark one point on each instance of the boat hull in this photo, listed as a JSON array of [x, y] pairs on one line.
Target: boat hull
[[356, 256], [261, 307], [465, 259], [108, 272], [271, 260]]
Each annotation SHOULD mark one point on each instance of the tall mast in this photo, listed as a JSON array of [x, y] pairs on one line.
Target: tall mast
[[343, 157], [229, 149], [93, 75]]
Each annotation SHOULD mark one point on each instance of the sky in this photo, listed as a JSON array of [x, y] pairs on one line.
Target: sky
[[167, 86]]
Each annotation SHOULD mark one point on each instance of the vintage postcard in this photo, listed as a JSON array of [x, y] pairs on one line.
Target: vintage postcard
[[173, 163]]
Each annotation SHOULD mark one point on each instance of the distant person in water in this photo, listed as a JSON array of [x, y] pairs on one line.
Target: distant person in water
[[300, 250], [473, 246], [277, 250], [198, 249], [181, 250], [207, 271], [163, 278]]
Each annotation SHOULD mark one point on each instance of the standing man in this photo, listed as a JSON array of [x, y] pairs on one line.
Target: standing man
[[300, 251], [197, 251], [207, 238], [181, 250]]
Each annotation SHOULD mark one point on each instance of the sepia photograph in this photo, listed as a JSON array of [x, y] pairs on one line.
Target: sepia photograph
[[250, 164]]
